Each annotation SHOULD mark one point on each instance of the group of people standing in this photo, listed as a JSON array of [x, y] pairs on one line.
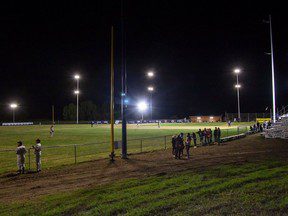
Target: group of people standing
[[205, 137], [21, 154]]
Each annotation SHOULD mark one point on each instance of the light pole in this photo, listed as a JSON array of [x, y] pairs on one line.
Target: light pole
[[150, 90], [272, 69], [150, 75], [13, 106], [77, 77], [238, 86]]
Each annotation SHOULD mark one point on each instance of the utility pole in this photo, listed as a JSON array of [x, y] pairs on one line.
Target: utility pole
[[124, 86], [112, 155]]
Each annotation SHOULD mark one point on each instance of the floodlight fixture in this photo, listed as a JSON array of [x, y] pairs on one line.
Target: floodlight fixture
[[237, 70], [150, 88], [142, 106], [150, 74]]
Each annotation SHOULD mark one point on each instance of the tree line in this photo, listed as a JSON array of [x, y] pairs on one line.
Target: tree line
[[88, 111]]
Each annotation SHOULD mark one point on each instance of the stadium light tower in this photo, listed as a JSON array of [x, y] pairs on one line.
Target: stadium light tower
[[151, 90], [13, 106], [77, 77], [238, 86], [142, 107]]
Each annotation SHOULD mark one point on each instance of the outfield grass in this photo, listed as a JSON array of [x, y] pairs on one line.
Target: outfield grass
[[252, 188], [97, 139]]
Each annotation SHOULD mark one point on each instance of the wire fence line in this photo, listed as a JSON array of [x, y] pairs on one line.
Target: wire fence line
[[53, 156]]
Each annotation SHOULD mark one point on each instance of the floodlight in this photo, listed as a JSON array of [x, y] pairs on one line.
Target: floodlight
[[142, 106], [198, 118], [77, 76], [150, 88], [211, 117], [76, 92], [237, 71], [237, 86], [150, 74], [13, 105]]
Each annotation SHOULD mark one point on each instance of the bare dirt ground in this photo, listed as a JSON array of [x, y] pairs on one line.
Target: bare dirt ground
[[90, 174]]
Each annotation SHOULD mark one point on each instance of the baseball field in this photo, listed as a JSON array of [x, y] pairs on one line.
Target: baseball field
[[243, 177], [78, 143]]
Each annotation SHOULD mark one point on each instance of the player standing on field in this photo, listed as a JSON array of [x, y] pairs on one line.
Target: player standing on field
[[37, 151], [52, 130], [21, 151]]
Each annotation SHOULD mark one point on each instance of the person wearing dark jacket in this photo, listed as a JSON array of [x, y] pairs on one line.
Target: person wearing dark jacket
[[194, 139]]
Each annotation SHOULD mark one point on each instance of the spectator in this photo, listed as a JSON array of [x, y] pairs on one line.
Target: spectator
[[188, 144], [200, 134], [215, 134], [219, 135], [194, 139]]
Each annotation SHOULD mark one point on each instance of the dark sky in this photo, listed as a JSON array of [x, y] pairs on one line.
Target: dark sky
[[192, 47]]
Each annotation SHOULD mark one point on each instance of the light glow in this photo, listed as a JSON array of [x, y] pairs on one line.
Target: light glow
[[76, 92], [142, 106], [77, 76], [13, 105], [150, 88], [237, 71], [237, 86], [150, 74]]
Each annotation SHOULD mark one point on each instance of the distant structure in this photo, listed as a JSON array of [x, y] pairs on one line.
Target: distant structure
[[211, 118]]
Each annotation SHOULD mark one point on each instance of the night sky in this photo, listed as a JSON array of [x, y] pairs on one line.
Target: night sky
[[192, 48]]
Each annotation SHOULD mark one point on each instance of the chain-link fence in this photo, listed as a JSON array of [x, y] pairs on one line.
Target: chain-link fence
[[54, 156]]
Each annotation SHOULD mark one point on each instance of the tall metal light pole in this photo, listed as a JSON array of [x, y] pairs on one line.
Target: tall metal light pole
[[238, 86], [13, 106], [77, 77], [150, 75], [150, 90], [272, 69], [124, 86]]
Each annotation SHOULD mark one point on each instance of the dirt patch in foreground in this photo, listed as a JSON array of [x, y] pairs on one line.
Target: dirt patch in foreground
[[89, 174]]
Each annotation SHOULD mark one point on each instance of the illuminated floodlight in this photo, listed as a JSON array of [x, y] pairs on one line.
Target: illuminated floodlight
[[237, 86], [77, 76], [13, 105], [237, 71], [211, 117], [198, 118], [150, 88], [150, 74], [142, 106], [76, 92]]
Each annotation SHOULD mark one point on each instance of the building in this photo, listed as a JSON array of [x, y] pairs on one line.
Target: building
[[210, 118]]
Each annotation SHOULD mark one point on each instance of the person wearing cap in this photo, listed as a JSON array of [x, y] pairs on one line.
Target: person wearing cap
[[37, 152], [21, 151]]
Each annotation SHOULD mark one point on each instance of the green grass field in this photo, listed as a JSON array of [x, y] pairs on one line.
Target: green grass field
[[140, 138], [247, 189]]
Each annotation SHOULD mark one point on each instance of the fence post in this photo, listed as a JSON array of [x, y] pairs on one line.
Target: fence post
[[165, 142], [29, 160], [75, 155], [141, 145], [238, 130]]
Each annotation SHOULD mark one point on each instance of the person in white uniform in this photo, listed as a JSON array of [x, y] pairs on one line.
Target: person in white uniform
[[20, 152], [37, 151]]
